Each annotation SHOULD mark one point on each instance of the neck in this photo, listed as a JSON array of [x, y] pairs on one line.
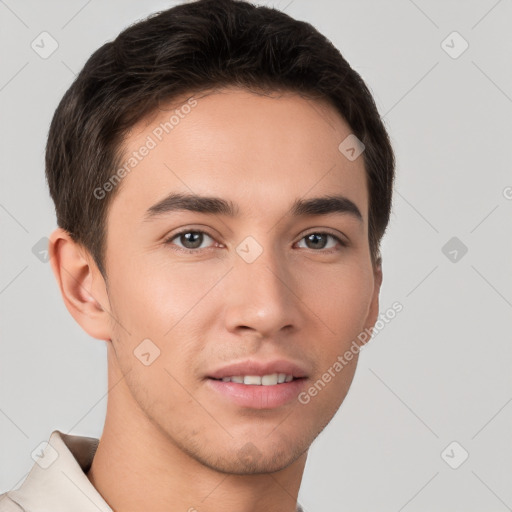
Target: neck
[[137, 466]]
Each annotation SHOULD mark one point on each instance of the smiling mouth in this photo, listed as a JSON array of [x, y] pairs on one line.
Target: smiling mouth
[[257, 380], [269, 391]]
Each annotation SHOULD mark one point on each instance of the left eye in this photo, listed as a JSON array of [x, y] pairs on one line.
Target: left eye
[[192, 240], [316, 240]]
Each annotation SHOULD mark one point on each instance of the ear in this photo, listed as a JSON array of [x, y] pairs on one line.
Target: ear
[[81, 284], [373, 312]]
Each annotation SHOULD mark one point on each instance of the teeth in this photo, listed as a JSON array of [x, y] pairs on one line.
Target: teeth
[[256, 380], [252, 379], [268, 380]]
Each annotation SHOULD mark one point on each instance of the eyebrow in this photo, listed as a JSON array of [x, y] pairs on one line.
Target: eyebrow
[[174, 202]]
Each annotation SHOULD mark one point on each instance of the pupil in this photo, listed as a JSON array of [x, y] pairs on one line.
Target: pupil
[[315, 236], [191, 235]]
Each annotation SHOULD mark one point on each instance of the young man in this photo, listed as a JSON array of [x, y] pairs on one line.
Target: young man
[[222, 182]]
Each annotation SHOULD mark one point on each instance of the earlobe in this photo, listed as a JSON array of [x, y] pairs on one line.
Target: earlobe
[[81, 284]]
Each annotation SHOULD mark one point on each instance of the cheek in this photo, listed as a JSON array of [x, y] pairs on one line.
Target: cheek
[[158, 390], [154, 295], [168, 306], [341, 298]]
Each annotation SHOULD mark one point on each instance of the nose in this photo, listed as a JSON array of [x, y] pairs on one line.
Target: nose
[[263, 295]]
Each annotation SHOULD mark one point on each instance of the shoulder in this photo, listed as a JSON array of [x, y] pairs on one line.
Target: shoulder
[[7, 505]]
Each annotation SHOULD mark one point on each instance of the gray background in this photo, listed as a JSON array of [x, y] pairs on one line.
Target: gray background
[[439, 372]]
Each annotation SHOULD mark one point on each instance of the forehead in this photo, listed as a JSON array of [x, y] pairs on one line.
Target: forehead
[[261, 152]]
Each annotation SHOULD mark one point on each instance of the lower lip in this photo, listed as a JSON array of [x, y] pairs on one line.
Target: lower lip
[[258, 397]]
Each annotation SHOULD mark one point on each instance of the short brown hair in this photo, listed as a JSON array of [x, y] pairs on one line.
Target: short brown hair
[[188, 48]]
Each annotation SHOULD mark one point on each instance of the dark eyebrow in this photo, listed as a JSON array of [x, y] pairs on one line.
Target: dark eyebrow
[[217, 206], [326, 205], [194, 203]]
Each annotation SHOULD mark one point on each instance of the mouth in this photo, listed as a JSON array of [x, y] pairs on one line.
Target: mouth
[[270, 391], [257, 372], [258, 384], [271, 379]]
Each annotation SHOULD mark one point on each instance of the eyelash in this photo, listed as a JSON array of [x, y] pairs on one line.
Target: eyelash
[[169, 240]]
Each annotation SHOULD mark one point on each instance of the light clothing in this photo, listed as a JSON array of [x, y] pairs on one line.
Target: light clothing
[[57, 481]]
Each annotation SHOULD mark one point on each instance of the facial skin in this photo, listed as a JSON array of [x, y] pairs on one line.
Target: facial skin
[[170, 442]]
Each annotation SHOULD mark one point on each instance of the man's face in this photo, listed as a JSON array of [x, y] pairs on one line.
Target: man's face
[[263, 285]]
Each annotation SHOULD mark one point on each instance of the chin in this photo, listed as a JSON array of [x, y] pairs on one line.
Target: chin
[[251, 460]]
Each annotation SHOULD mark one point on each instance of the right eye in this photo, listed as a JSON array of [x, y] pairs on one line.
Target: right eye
[[191, 240]]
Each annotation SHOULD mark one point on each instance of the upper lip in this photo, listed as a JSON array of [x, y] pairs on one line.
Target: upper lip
[[254, 367]]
